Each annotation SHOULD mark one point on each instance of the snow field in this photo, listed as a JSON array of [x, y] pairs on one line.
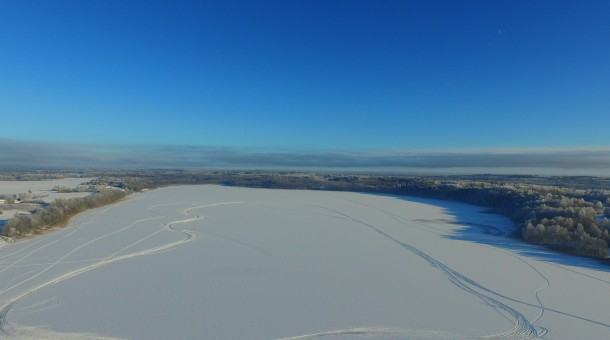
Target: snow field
[[226, 263]]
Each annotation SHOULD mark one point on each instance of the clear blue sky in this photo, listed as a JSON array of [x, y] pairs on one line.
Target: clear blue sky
[[307, 75]]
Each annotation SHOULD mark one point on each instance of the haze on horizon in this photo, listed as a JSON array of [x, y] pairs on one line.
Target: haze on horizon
[[381, 85]]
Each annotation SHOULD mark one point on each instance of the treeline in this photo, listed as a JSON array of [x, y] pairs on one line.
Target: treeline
[[57, 212], [570, 216], [568, 220], [571, 182], [36, 175], [565, 219], [79, 188]]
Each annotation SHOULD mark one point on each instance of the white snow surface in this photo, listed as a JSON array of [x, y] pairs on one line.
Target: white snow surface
[[44, 188], [212, 262]]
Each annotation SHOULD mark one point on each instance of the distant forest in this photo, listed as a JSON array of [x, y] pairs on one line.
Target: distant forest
[[567, 214]]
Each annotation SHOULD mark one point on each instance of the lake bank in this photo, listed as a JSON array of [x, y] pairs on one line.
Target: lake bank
[[259, 263]]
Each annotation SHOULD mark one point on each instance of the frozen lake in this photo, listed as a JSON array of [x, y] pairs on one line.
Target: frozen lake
[[214, 262]]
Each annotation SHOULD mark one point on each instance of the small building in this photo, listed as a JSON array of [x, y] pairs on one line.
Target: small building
[[2, 201]]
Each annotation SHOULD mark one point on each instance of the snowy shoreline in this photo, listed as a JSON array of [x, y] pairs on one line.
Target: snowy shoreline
[[292, 264]]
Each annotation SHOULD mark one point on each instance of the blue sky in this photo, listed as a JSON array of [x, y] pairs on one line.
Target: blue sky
[[357, 76]]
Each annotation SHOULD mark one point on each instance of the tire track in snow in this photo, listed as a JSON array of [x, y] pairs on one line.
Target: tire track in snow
[[42, 239], [522, 329], [579, 273], [33, 243], [400, 219], [58, 261], [379, 331], [408, 223], [537, 291], [7, 330], [223, 237]]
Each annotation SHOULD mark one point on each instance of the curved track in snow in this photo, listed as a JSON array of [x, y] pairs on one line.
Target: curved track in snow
[[279, 245], [497, 232], [523, 328], [7, 329]]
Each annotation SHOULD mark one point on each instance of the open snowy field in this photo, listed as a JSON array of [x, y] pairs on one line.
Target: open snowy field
[[211, 262], [40, 190], [44, 188]]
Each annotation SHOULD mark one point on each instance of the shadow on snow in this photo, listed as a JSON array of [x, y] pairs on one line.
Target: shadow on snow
[[477, 225]]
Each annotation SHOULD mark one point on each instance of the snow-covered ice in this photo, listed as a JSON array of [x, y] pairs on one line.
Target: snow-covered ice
[[233, 263]]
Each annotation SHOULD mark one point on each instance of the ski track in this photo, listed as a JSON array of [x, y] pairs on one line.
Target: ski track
[[51, 234], [522, 329], [538, 272], [579, 273], [408, 223], [537, 291], [420, 226], [8, 330], [377, 331]]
